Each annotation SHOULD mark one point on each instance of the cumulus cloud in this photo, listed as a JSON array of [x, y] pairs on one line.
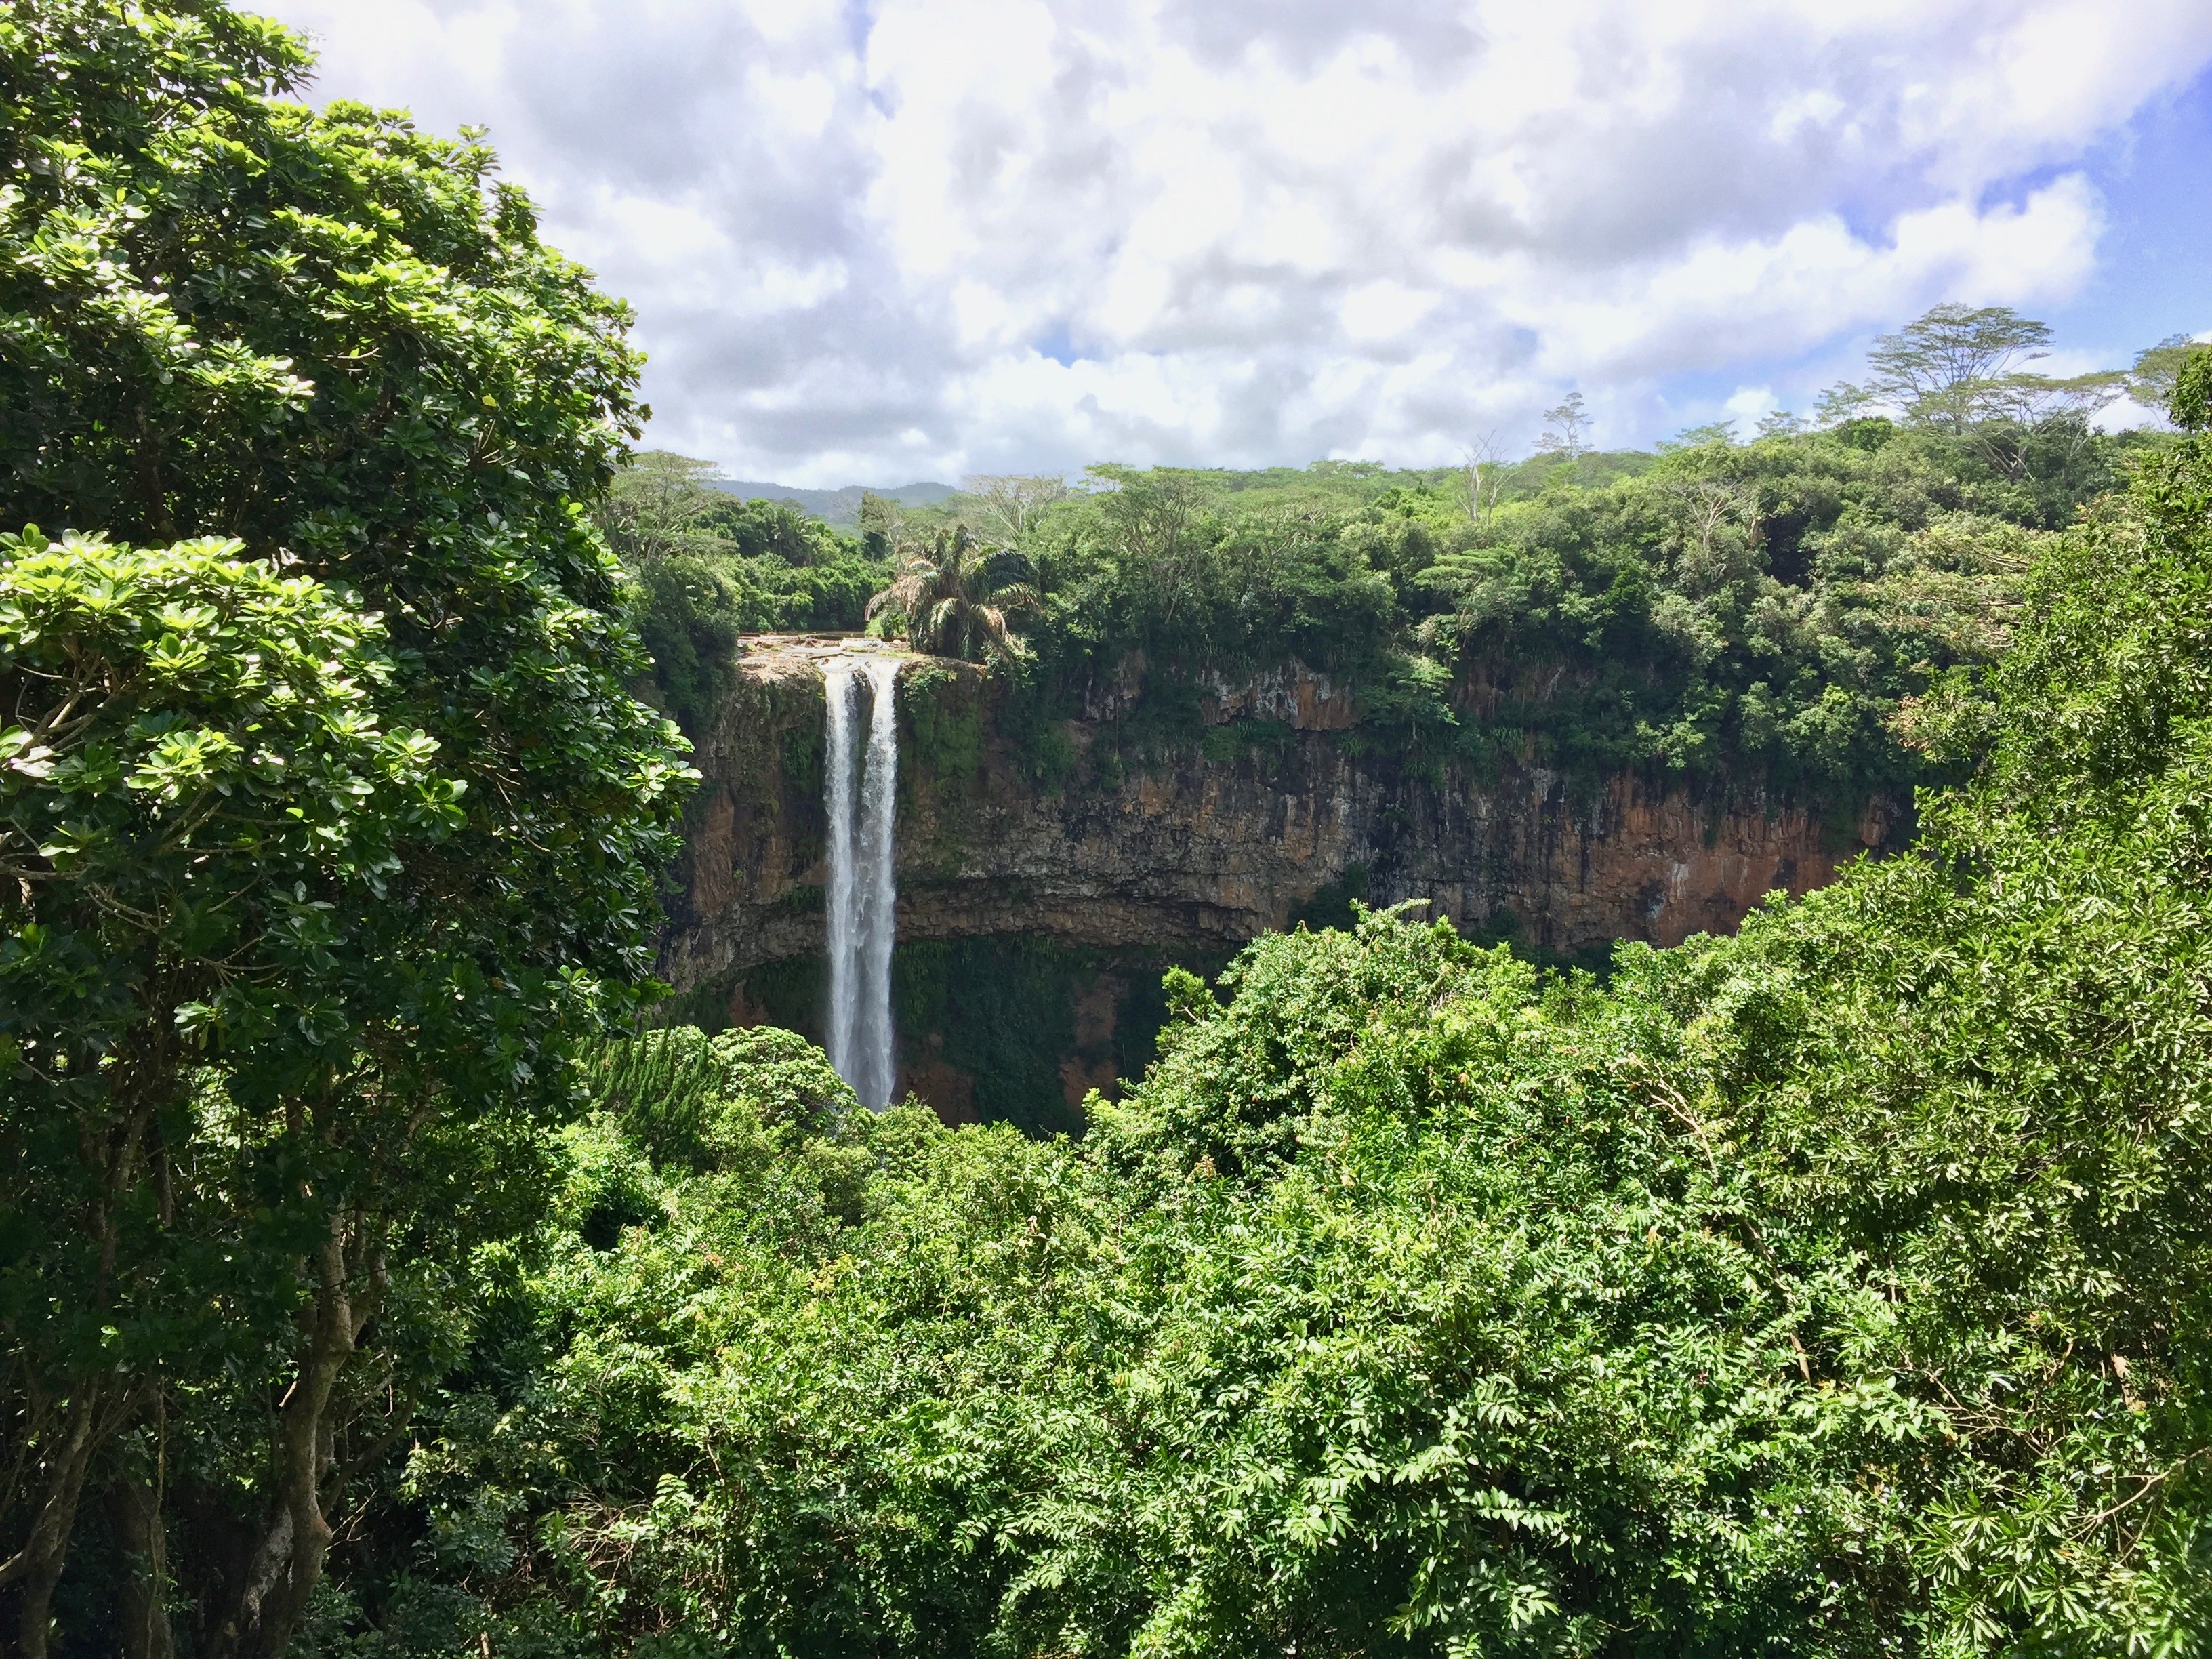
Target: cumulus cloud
[[930, 237]]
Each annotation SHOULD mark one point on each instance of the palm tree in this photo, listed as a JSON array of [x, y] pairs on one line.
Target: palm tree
[[958, 595]]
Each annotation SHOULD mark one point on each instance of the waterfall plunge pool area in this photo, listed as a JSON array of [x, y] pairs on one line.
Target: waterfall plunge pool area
[[1005, 1023]]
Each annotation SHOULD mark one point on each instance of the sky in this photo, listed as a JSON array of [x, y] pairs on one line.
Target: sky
[[874, 241]]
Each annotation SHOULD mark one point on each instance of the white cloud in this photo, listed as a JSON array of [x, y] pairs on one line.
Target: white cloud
[[1384, 310], [1749, 404], [1701, 305], [1260, 230]]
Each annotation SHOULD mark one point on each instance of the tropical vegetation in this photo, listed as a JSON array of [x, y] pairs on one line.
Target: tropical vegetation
[[327, 825], [710, 568], [377, 1279], [957, 598], [1730, 614], [1838, 1288]]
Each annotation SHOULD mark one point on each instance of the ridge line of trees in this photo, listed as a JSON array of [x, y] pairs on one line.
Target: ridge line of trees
[[1721, 614]]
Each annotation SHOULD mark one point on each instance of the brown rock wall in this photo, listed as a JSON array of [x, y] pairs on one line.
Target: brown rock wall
[[1198, 851]]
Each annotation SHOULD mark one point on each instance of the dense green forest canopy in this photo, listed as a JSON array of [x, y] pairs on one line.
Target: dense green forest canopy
[[1768, 612], [373, 1284], [1836, 1289]]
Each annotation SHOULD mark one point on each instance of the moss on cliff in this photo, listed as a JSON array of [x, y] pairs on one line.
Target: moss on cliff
[[942, 710]]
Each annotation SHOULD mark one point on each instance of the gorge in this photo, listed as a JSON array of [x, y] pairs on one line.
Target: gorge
[[1044, 883], [392, 1267], [1145, 718]]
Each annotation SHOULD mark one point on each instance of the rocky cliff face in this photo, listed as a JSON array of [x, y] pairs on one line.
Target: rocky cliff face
[[1081, 841], [1205, 849]]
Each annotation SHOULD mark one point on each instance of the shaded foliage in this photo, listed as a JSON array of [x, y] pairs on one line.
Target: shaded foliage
[[327, 823]]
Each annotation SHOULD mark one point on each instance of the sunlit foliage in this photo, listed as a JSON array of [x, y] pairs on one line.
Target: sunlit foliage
[[326, 821], [1840, 1288]]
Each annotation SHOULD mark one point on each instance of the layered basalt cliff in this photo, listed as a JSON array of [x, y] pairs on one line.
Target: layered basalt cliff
[[1082, 841], [1203, 848]]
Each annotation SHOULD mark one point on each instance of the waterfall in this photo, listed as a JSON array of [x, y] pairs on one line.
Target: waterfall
[[837, 802], [862, 892]]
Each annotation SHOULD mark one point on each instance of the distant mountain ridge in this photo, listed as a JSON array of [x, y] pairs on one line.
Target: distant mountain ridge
[[834, 505]]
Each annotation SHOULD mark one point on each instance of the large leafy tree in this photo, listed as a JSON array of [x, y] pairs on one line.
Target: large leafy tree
[[1953, 363], [321, 840], [200, 809], [1962, 370]]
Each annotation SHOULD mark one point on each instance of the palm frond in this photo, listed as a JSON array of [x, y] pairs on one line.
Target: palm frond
[[958, 594], [1003, 569]]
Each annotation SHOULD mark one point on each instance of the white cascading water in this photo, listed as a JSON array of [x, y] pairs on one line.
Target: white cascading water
[[862, 895], [838, 686]]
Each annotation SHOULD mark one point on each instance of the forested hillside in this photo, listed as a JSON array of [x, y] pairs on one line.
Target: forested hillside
[[378, 1276], [1839, 1288], [1759, 610]]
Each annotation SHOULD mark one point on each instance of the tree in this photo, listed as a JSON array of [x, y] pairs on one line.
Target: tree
[[1956, 367], [880, 517], [658, 508], [1715, 528], [197, 811], [958, 597], [1566, 427], [1006, 508], [335, 346], [1952, 365], [664, 506], [1483, 466], [1957, 370], [1840, 405], [161, 695], [1156, 521], [2151, 377], [774, 531], [2190, 406], [2156, 372], [1698, 437]]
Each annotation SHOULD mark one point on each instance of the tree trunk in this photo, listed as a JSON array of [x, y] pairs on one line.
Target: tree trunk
[[37, 1567], [135, 1515], [288, 1560], [113, 1150]]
